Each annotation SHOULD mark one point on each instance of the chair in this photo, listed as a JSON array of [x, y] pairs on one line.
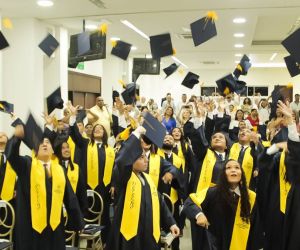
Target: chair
[[170, 205], [69, 235], [95, 210], [7, 223]]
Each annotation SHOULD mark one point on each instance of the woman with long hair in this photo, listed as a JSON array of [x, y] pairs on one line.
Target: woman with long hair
[[168, 120], [98, 160], [234, 125], [247, 105], [228, 212]]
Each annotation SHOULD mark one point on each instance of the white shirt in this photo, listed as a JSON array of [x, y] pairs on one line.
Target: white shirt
[[295, 106], [263, 115], [46, 165]]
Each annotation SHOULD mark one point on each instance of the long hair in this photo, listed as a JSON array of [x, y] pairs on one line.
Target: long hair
[[104, 138], [239, 110], [58, 153], [224, 192], [182, 140]]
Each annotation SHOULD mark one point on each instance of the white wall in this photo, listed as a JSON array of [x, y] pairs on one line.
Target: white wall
[[94, 68]]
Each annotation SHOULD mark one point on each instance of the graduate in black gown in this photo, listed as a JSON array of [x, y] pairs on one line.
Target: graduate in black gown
[[42, 189], [228, 211], [141, 211]]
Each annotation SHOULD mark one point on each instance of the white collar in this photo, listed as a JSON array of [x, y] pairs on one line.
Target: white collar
[[244, 146], [223, 154], [47, 163], [236, 191], [147, 153], [66, 163]]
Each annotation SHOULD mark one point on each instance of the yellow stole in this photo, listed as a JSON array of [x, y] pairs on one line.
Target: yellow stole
[[154, 168], [207, 171], [284, 186], [241, 229], [247, 164], [72, 147], [9, 182], [38, 195], [181, 156], [132, 204], [93, 165], [73, 176]]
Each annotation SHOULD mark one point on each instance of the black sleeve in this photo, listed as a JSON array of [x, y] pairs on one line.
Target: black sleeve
[[51, 134], [256, 238], [190, 209], [82, 193], [166, 217], [75, 218], [80, 141], [292, 162]]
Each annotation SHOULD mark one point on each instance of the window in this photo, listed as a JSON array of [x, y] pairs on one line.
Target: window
[[207, 91]]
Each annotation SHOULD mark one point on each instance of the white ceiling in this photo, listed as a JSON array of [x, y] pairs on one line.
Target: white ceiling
[[266, 20]]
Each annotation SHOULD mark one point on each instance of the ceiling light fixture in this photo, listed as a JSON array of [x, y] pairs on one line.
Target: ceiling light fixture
[[115, 39], [273, 56], [239, 20], [238, 34], [45, 3], [178, 61], [239, 45], [269, 65], [91, 26], [131, 26], [133, 48], [238, 55]]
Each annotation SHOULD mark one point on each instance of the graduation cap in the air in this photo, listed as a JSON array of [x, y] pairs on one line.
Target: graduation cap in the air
[[17, 122], [33, 133], [155, 131], [121, 49], [292, 66], [54, 101], [229, 84], [161, 45], [81, 114], [243, 67], [190, 80], [6, 107], [129, 94], [204, 28], [170, 69], [291, 43], [3, 41], [49, 45], [280, 93]]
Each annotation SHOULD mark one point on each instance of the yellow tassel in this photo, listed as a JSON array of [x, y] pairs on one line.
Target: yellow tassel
[[226, 91], [7, 23], [123, 84], [125, 134], [133, 123], [289, 85], [103, 29], [239, 67], [181, 71], [137, 97], [113, 43], [1, 106], [174, 51], [212, 15]]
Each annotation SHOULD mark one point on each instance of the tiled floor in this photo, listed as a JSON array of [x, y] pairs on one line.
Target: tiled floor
[[186, 240]]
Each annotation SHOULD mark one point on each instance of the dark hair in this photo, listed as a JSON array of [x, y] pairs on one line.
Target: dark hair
[[170, 108], [227, 140], [239, 110], [248, 99], [58, 152], [224, 192], [182, 141], [104, 138], [253, 110]]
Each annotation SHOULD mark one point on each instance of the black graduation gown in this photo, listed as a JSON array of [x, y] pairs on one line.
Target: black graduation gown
[[268, 200], [221, 217], [233, 134], [291, 239], [25, 237], [144, 239], [103, 190], [81, 193]]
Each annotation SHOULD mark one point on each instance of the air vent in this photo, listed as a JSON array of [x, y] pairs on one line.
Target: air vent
[[266, 42], [185, 36], [210, 62], [98, 3]]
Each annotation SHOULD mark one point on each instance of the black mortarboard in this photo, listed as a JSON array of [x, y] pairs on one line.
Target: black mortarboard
[[17, 122], [83, 43], [121, 50], [170, 69], [49, 45], [278, 94], [3, 41], [240, 88], [203, 30], [33, 133], [129, 94], [226, 84], [161, 45], [146, 140], [54, 101], [81, 114], [243, 67], [73, 65], [155, 131], [291, 43], [6, 107], [292, 66], [190, 80]]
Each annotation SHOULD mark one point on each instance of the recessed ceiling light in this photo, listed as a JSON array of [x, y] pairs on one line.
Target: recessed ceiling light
[[238, 55], [239, 20], [238, 34], [91, 26], [115, 39], [133, 48], [239, 45], [45, 3]]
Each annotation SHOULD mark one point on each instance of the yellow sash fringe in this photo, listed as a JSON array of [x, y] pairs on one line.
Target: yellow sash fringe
[[73, 176], [9, 182], [132, 204], [284, 186], [38, 195]]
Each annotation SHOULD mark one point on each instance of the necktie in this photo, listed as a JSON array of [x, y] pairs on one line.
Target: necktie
[[220, 157], [1, 158], [241, 155], [48, 173]]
